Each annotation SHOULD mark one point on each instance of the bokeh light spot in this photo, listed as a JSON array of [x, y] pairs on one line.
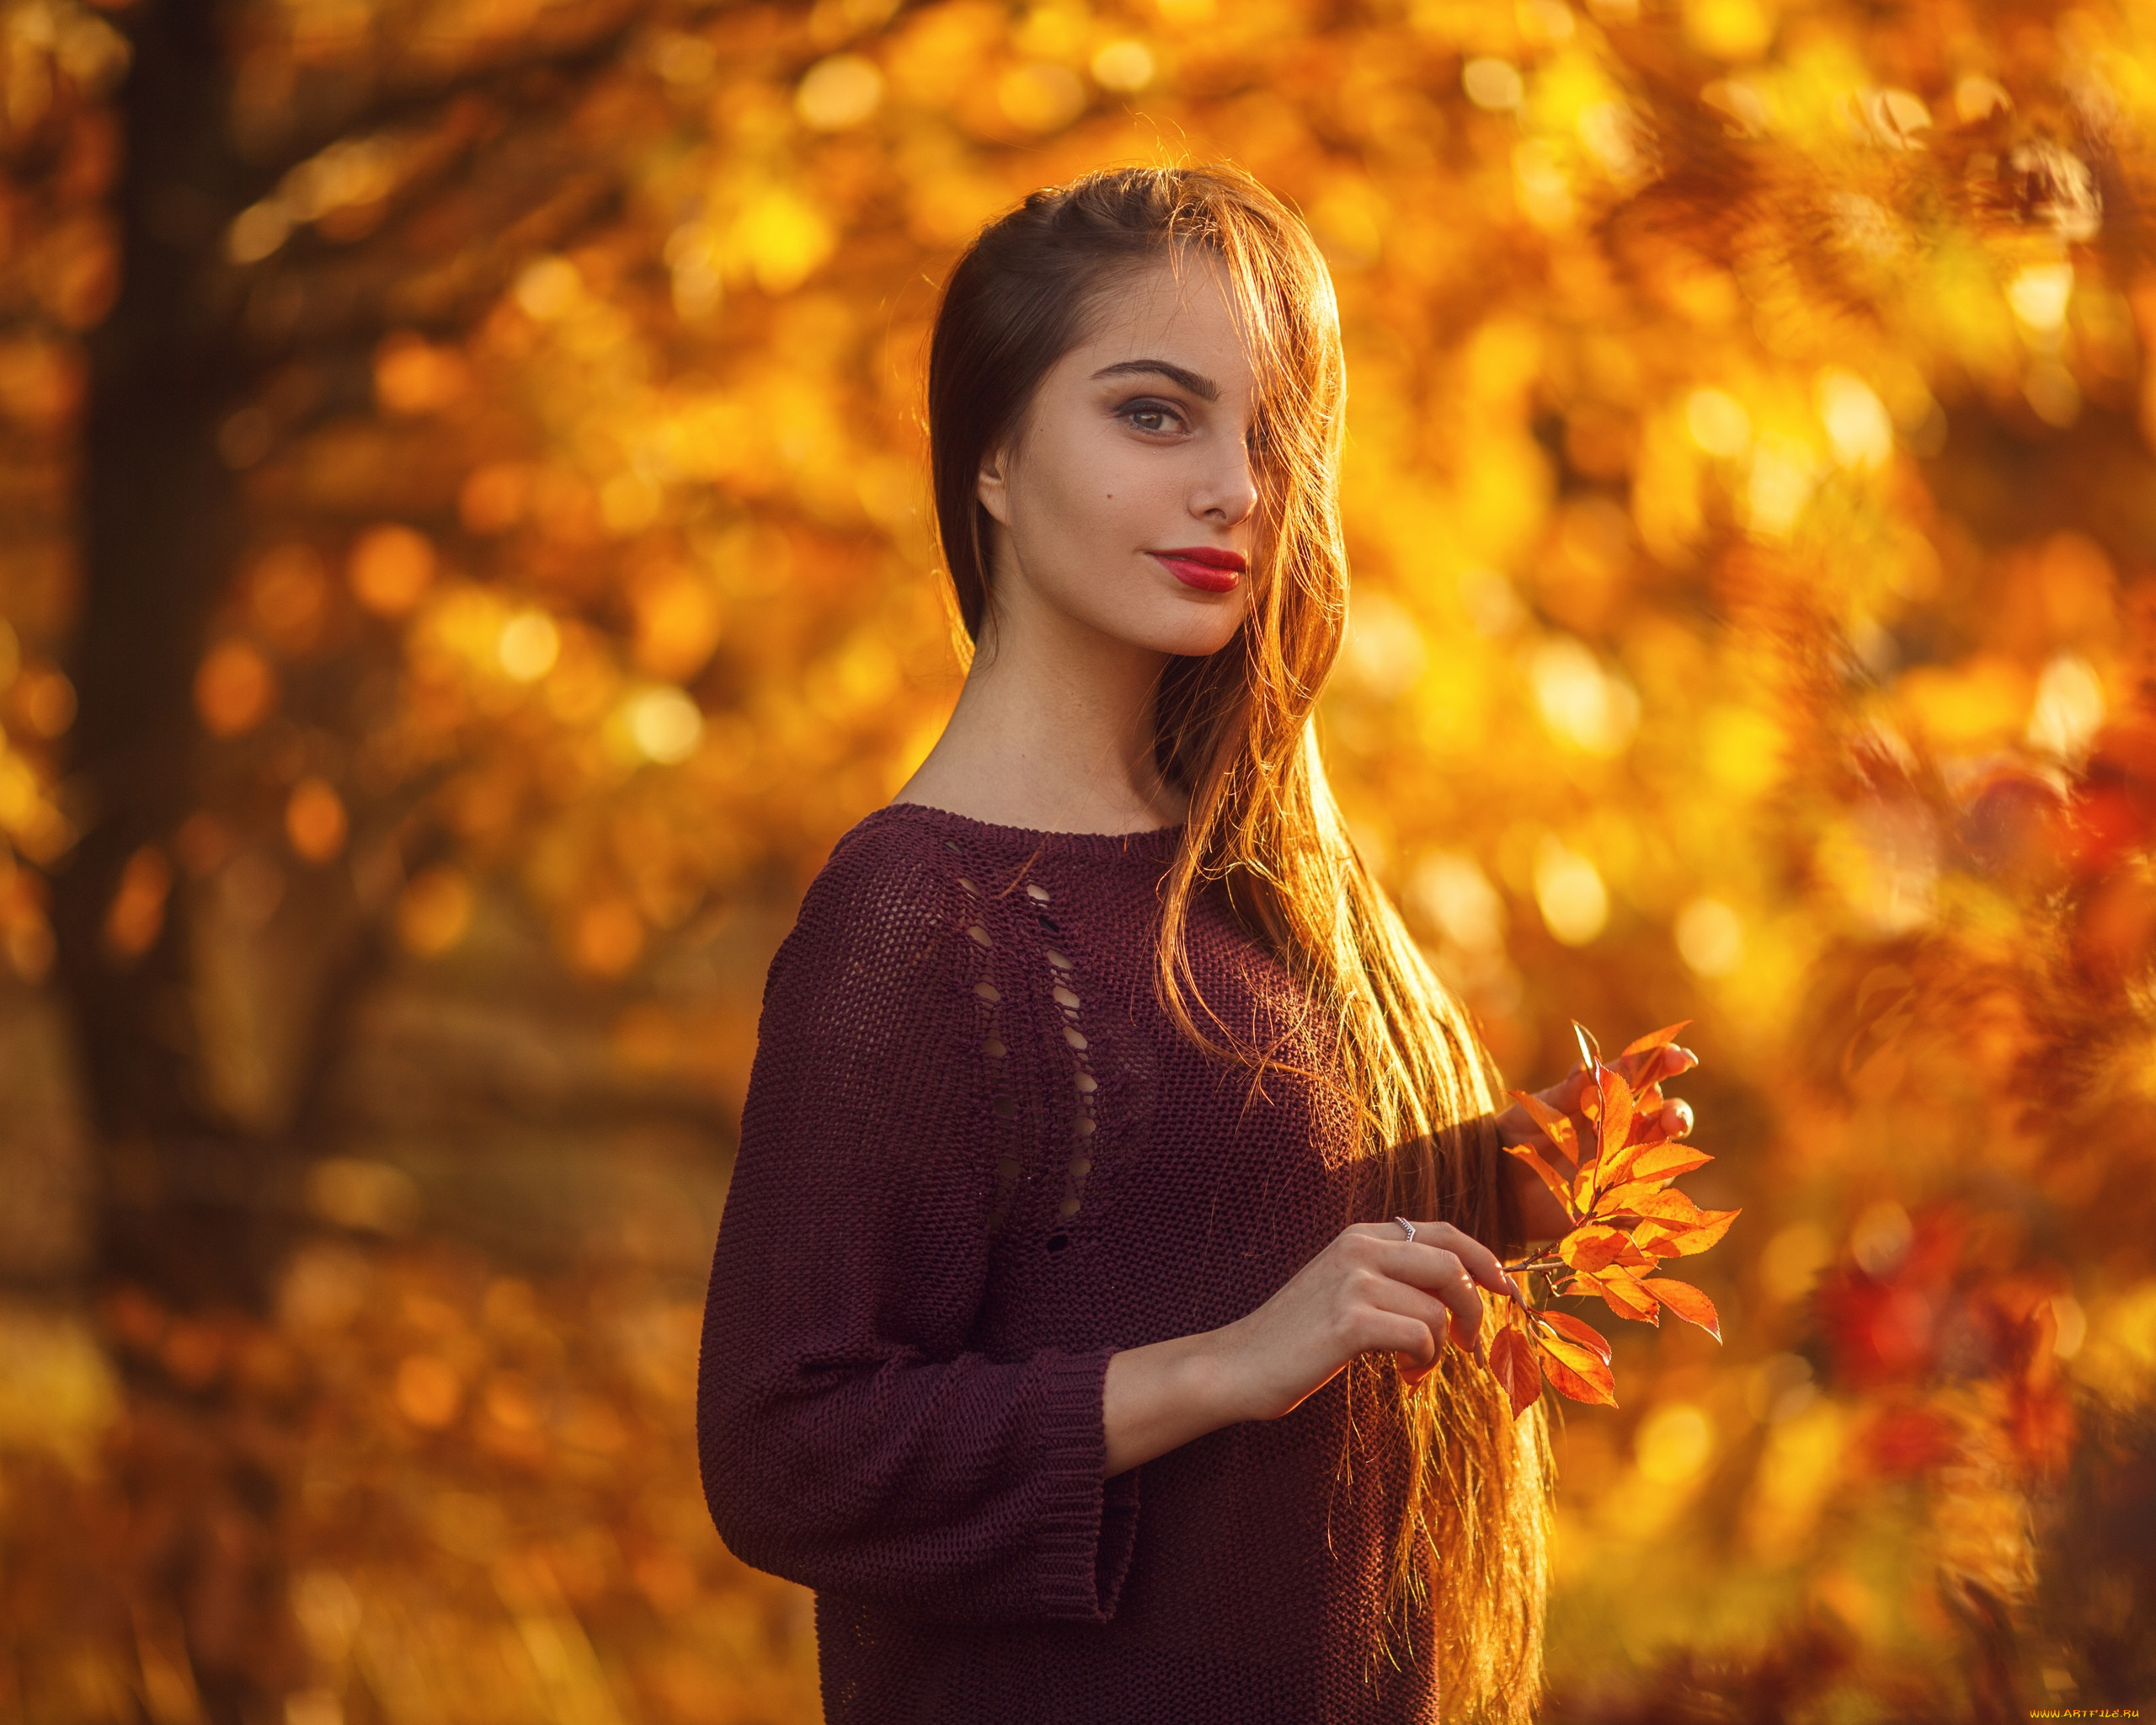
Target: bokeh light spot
[[1568, 889], [1674, 1442], [1709, 937], [234, 689], [433, 912], [428, 1392], [664, 724], [1124, 65], [1856, 420], [2039, 293], [839, 91], [391, 567], [1792, 1259], [1718, 423], [315, 820], [1879, 1237], [1040, 97], [137, 914], [1492, 83], [528, 646]]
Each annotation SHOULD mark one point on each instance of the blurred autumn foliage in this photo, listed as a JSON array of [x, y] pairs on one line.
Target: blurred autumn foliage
[[464, 561]]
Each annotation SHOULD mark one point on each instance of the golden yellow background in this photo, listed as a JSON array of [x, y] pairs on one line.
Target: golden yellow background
[[1749, 471]]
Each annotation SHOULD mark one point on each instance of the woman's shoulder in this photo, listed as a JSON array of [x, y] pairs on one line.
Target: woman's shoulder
[[888, 872]]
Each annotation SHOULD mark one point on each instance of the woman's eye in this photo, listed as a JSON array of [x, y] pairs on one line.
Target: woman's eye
[[1152, 416]]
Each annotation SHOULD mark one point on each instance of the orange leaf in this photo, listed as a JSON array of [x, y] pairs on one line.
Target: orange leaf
[[1666, 1161], [1669, 1207], [1617, 1200], [1551, 1176], [1658, 1238], [1567, 1381], [1559, 1127], [1625, 1294], [1688, 1302], [1593, 1247], [1616, 1116], [1585, 1334], [1684, 1241], [1511, 1362], [1588, 1364], [1658, 1039]]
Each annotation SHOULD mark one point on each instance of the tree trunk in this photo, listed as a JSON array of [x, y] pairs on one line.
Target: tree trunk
[[158, 534]]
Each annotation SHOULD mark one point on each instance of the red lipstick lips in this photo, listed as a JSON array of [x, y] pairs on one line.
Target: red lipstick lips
[[1202, 566]]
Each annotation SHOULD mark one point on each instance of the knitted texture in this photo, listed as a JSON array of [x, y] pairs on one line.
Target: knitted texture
[[976, 1159]]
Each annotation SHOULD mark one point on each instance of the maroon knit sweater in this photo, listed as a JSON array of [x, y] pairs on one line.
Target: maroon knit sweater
[[976, 1159]]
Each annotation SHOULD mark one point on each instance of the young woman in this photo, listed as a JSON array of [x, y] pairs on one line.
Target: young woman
[[1112, 1170]]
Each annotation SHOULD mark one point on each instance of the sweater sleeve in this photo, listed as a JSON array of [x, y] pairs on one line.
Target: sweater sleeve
[[847, 1438]]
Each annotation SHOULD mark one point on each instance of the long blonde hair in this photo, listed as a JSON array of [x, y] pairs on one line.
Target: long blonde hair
[[1235, 730]]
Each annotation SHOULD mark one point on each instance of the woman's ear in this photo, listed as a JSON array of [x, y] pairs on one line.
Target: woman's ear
[[992, 485]]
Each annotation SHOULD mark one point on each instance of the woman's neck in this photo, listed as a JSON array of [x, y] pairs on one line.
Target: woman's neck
[[1053, 732]]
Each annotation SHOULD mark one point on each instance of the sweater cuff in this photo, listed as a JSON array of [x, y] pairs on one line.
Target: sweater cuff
[[1088, 1525]]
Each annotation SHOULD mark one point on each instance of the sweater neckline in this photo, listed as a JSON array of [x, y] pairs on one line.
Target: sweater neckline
[[1154, 842]]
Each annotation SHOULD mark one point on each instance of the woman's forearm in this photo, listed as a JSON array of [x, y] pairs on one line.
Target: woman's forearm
[[1159, 1397]]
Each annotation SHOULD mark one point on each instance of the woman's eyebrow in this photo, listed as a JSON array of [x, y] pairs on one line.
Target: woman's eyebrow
[[1204, 388]]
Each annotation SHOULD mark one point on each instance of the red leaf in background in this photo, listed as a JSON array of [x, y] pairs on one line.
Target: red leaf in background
[[1880, 1332], [1687, 1301], [1904, 1440], [1511, 1362], [1585, 1334], [2041, 1425]]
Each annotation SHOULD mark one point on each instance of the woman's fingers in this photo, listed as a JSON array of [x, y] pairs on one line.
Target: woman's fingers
[[1676, 1118], [1443, 1250], [1452, 1307]]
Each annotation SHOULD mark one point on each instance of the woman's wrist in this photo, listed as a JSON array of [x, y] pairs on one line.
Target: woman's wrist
[[1160, 1396]]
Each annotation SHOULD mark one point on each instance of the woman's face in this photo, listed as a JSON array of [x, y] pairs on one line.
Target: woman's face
[[1127, 502]]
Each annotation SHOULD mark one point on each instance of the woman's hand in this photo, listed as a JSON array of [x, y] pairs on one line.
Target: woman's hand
[[1370, 1288], [1541, 1218]]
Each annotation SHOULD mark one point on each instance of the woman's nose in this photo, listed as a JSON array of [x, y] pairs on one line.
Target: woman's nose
[[1229, 495]]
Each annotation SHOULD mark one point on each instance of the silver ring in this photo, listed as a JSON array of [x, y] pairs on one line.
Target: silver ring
[[1408, 1226]]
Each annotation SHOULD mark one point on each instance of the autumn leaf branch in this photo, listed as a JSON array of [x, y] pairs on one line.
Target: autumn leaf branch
[[1626, 1218]]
